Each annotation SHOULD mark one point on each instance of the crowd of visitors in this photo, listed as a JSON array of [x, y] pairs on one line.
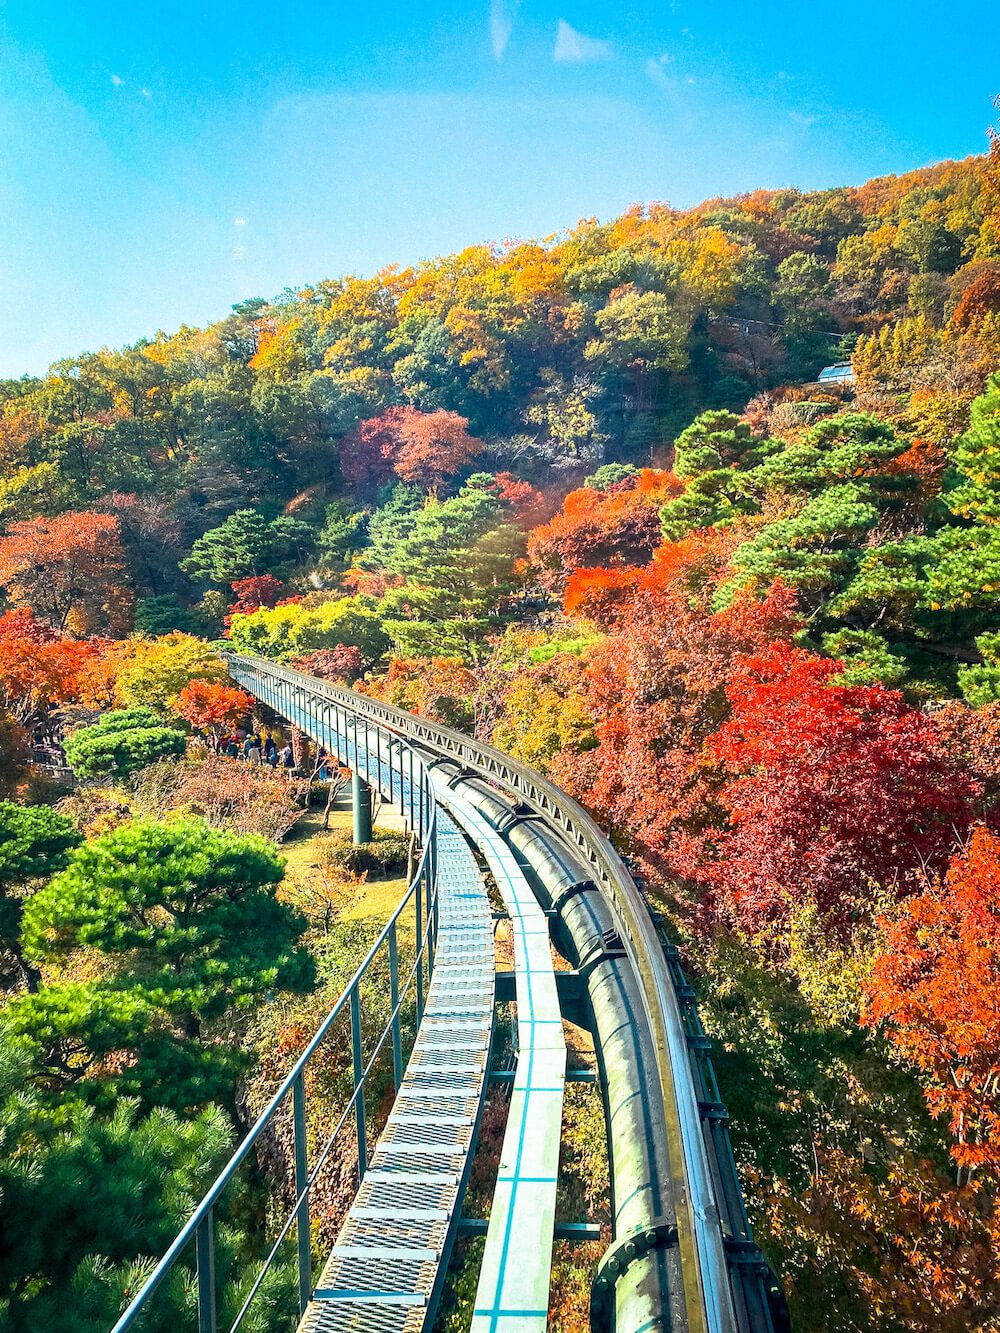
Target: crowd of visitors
[[256, 747]]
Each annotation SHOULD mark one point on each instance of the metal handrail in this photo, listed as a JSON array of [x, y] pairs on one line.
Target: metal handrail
[[199, 1226], [707, 1293]]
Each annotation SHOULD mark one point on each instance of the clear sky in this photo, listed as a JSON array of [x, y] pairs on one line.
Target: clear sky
[[162, 160]]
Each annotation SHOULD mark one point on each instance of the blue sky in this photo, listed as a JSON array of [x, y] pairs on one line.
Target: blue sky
[[161, 161]]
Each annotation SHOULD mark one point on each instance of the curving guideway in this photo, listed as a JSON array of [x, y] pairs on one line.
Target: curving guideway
[[513, 1291]]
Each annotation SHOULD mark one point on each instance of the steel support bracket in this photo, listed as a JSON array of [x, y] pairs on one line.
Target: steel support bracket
[[661, 1233]]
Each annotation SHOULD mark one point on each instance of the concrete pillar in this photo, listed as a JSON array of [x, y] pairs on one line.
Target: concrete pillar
[[361, 802]]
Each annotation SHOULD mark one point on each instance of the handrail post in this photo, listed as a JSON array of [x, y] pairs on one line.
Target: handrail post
[[397, 1044], [302, 1191], [205, 1250], [419, 960], [359, 1082], [431, 920]]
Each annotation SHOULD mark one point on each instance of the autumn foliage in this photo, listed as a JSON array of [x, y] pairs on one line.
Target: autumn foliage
[[440, 688], [748, 668], [38, 668], [601, 528], [253, 593], [421, 448], [830, 790], [69, 570], [211, 707], [342, 663], [935, 988]]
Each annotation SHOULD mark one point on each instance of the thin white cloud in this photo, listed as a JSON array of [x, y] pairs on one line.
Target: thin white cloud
[[575, 48], [117, 80], [502, 16], [239, 222], [656, 71], [239, 252], [146, 92], [802, 119]]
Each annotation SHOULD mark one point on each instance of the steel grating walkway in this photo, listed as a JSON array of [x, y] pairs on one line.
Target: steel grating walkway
[[513, 1291], [388, 1257]]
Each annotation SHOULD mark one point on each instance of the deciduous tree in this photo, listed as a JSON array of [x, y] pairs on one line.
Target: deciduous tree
[[601, 528], [935, 989], [420, 448], [829, 790], [253, 593], [211, 707], [150, 673], [69, 570]]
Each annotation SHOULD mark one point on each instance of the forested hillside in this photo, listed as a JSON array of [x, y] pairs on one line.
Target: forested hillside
[[584, 498]]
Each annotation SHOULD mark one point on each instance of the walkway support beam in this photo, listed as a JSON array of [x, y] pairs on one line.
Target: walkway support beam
[[361, 806]]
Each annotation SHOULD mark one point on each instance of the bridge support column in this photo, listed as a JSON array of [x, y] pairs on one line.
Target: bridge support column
[[361, 803]]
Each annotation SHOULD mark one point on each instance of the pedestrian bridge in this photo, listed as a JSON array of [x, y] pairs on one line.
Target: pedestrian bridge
[[416, 1029]]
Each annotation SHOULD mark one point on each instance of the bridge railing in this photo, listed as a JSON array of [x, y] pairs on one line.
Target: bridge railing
[[408, 781], [708, 1296]]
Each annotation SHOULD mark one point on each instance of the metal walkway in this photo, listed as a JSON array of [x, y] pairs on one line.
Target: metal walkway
[[382, 1271], [513, 1292], [390, 1254]]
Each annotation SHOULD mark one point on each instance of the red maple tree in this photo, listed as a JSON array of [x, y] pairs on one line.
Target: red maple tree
[[211, 707], [829, 790], [252, 593], [343, 663]]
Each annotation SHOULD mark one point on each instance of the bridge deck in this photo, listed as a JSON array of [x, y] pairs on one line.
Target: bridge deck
[[387, 1261], [513, 1292], [388, 1258]]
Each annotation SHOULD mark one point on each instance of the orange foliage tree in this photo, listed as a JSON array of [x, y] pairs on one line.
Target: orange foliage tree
[[935, 988], [420, 448], [898, 1248], [656, 687], [980, 298], [970, 739], [69, 570], [442, 689], [38, 669], [211, 707], [601, 528]]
